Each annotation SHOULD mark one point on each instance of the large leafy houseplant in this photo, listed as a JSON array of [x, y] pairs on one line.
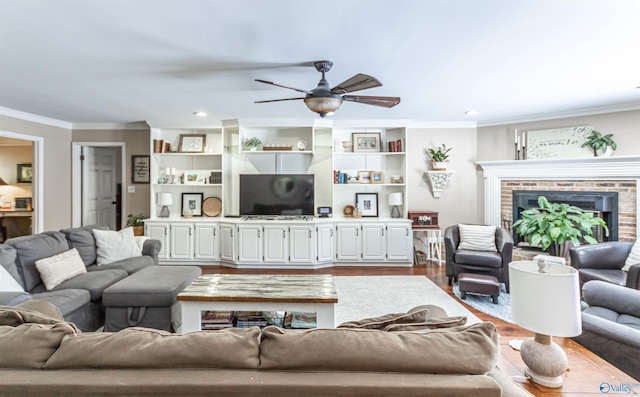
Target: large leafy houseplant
[[439, 154], [553, 226]]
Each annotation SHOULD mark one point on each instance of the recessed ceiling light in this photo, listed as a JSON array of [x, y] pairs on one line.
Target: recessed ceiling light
[[200, 114], [471, 112]]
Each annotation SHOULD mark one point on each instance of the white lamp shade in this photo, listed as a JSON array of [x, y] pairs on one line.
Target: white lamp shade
[[545, 303], [165, 199], [396, 198]]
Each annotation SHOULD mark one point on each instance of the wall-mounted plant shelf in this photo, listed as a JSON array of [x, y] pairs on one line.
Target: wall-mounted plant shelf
[[438, 181]]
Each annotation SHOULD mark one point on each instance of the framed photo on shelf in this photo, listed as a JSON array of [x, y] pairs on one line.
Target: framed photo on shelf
[[25, 173], [365, 141], [364, 176], [367, 204], [376, 177], [192, 202], [140, 169], [192, 143], [192, 178]]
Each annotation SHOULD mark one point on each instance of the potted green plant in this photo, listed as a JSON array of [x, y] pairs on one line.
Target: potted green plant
[[602, 145], [554, 226], [439, 157], [137, 222], [252, 143]]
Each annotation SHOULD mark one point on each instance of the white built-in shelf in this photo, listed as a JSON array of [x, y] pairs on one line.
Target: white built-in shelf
[[265, 152], [182, 185], [369, 153], [187, 154], [369, 184]]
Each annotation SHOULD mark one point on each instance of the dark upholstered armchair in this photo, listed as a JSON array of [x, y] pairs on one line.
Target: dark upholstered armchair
[[604, 262], [495, 263]]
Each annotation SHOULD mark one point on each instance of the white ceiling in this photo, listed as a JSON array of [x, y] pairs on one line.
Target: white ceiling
[[128, 61]]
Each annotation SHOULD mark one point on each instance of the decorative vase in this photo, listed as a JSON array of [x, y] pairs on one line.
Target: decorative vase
[[440, 165], [561, 250], [253, 149], [138, 230], [608, 152]]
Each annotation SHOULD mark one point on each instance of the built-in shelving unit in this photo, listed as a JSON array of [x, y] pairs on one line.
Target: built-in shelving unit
[[227, 239]]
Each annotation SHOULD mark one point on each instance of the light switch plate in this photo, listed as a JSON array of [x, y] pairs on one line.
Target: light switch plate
[[131, 189]]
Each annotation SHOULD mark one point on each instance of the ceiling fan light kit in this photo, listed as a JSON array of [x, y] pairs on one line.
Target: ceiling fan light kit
[[324, 100]]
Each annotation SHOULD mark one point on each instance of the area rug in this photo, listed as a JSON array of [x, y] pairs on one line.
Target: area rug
[[368, 296], [484, 303]]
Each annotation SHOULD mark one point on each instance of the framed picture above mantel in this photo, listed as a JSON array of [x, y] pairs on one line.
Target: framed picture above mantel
[[558, 143]]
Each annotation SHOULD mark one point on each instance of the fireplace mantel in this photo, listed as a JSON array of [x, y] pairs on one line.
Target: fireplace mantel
[[590, 168]]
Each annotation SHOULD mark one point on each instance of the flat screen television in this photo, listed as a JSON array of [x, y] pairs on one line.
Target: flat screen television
[[276, 194]]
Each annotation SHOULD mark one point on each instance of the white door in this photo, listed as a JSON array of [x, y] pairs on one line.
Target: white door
[[374, 242], [275, 244], [399, 242], [181, 241], [348, 242], [324, 242], [227, 244], [99, 186], [207, 242], [250, 244], [301, 244], [159, 231]]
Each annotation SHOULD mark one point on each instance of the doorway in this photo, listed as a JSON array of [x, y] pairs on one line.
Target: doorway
[[98, 168]]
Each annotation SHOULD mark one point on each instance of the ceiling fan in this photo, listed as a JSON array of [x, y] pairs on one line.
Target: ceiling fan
[[325, 100]]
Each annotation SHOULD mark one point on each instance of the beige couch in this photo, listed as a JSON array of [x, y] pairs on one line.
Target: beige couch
[[45, 356]]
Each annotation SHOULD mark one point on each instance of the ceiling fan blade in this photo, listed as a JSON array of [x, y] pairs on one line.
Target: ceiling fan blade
[[356, 83], [279, 100], [283, 86], [383, 101]]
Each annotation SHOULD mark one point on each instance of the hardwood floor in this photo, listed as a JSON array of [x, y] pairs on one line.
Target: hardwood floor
[[586, 370]]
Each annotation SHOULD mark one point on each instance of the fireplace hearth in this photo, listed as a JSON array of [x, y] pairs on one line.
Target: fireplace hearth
[[602, 204]]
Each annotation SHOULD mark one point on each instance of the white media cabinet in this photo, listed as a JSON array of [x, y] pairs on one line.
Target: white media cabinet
[[315, 146], [293, 244]]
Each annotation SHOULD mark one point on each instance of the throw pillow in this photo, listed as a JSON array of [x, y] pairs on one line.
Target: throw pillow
[[140, 241], [430, 323], [382, 321], [115, 246], [8, 283], [477, 238], [634, 256], [58, 268]]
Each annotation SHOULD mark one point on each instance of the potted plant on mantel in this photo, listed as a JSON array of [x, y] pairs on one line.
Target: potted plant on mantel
[[602, 145], [252, 143], [554, 226], [439, 157], [137, 222]]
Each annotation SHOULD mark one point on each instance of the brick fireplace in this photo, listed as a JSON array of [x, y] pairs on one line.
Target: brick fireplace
[[608, 175]]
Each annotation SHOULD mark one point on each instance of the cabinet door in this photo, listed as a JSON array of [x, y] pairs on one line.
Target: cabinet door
[[207, 241], [301, 244], [275, 244], [374, 242], [159, 231], [348, 242], [324, 244], [399, 242], [181, 241], [249, 244], [227, 243]]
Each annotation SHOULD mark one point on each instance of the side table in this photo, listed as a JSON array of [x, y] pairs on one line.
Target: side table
[[431, 238]]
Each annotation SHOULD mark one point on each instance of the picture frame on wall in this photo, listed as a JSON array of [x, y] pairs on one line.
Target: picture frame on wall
[[192, 204], [367, 204], [25, 173], [140, 169], [365, 142], [192, 143]]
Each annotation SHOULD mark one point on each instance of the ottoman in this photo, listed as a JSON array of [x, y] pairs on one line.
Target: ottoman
[[480, 284], [146, 298]]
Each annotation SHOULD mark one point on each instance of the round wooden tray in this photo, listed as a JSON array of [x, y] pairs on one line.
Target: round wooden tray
[[211, 206], [348, 210]]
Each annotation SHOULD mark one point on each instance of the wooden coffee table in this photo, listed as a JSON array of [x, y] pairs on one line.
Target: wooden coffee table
[[259, 292]]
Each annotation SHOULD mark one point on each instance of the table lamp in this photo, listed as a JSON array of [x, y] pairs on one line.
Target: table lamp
[[164, 199], [545, 299], [395, 199]]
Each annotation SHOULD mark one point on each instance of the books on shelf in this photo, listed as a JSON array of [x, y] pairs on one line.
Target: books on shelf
[[395, 146], [211, 319]]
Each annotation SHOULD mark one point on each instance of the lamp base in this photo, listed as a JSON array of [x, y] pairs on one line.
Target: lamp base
[[164, 212], [546, 361], [395, 212]]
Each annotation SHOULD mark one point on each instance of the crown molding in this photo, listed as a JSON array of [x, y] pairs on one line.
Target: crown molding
[[563, 115], [34, 118], [137, 125]]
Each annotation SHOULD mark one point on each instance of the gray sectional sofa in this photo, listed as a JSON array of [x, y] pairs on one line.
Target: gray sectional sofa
[[457, 361], [79, 299]]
